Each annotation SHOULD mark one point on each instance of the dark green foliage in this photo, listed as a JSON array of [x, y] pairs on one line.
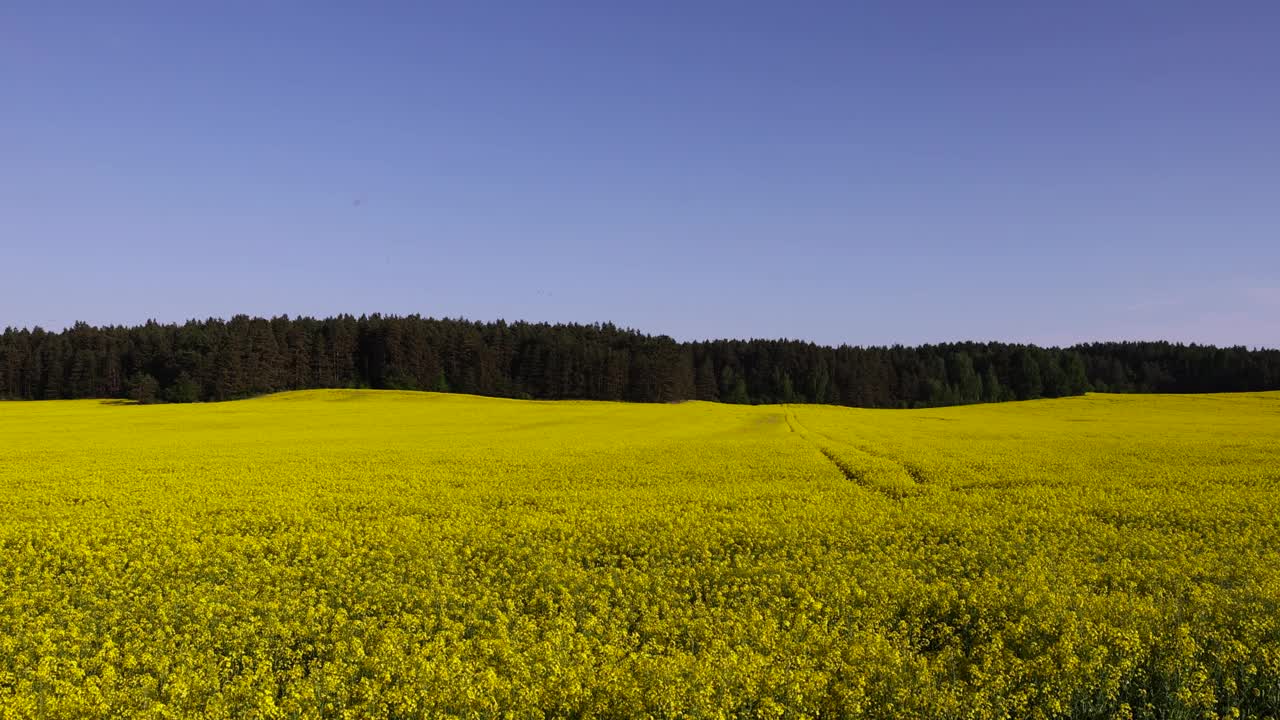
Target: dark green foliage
[[1077, 377], [183, 390], [733, 389], [244, 356], [143, 388], [1027, 382], [992, 390], [706, 387], [965, 378]]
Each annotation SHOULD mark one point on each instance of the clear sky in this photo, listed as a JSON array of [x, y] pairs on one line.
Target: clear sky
[[851, 172]]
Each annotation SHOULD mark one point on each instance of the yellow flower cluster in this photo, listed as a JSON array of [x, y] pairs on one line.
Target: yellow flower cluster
[[358, 554]]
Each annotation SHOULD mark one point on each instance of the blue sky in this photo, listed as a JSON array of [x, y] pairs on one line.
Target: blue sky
[[861, 173]]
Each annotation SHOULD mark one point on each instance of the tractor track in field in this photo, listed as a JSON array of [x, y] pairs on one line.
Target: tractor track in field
[[828, 445], [799, 428]]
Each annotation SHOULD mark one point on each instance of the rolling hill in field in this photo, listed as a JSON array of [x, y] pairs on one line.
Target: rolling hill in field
[[398, 554]]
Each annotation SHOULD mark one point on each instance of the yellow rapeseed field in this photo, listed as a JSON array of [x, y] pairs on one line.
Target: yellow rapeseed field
[[411, 555]]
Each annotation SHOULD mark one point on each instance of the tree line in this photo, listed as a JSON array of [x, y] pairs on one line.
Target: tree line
[[215, 359]]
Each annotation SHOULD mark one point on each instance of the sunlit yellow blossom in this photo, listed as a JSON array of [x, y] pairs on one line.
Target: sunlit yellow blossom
[[412, 555]]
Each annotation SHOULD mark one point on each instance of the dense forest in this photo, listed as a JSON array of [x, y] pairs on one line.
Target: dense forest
[[222, 360]]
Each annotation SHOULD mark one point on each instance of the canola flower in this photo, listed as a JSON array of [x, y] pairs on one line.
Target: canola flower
[[357, 554]]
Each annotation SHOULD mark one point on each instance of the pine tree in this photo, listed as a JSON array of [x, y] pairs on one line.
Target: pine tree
[[992, 390], [143, 388], [1077, 378], [968, 386], [183, 390], [1027, 383], [706, 384]]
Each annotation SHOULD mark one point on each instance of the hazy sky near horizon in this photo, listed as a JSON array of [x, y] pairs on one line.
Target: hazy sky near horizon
[[863, 173]]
